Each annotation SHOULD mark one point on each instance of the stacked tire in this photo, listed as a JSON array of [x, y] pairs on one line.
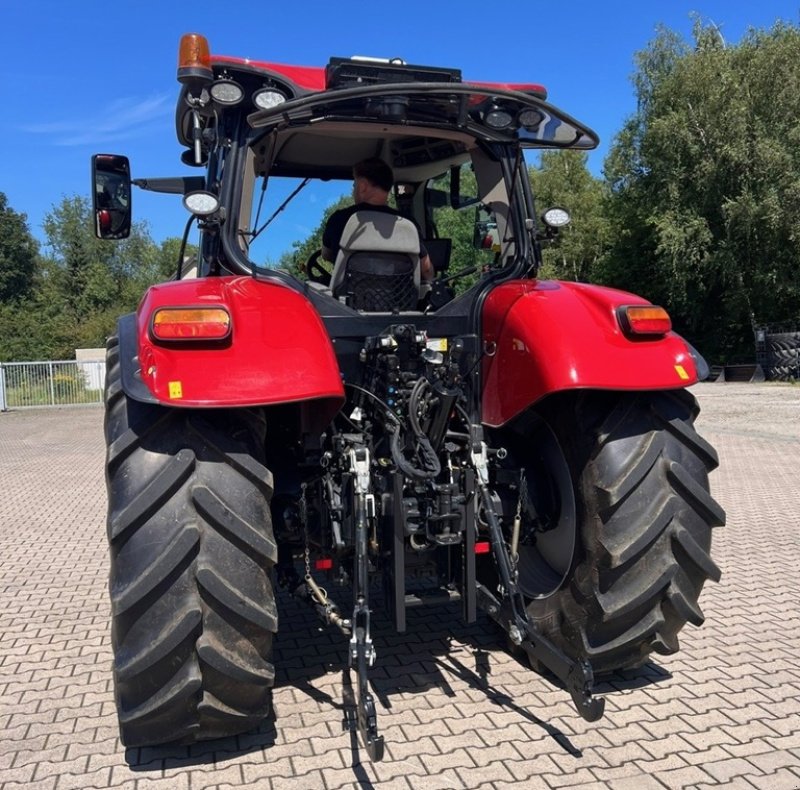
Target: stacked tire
[[783, 356]]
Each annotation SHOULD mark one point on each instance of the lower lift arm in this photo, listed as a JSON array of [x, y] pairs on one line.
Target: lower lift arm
[[510, 611]]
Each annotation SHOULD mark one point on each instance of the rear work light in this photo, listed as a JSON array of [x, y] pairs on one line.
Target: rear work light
[[638, 320], [191, 323]]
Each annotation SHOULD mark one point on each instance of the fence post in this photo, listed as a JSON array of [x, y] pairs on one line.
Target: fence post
[[52, 385], [3, 404]]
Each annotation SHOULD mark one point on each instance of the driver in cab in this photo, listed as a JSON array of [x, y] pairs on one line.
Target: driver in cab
[[372, 182]]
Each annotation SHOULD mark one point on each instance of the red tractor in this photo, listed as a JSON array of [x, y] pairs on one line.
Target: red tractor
[[522, 447]]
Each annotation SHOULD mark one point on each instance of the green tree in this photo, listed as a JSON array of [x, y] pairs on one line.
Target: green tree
[[704, 184], [18, 254], [76, 292], [295, 259], [165, 264], [563, 179], [86, 283]]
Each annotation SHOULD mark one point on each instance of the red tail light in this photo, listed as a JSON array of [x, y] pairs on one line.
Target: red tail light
[[645, 319]]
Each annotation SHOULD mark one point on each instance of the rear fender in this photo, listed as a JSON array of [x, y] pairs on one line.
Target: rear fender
[[278, 351], [542, 337]]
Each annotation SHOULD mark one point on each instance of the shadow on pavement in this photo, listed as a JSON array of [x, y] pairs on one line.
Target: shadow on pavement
[[427, 657]]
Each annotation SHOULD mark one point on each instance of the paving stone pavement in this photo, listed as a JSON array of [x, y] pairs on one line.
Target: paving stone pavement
[[456, 711]]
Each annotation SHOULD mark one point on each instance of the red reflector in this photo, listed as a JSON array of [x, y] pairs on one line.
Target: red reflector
[[191, 323], [644, 320], [324, 564], [483, 547]]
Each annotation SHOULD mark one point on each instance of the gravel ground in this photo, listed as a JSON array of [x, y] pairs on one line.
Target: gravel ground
[[770, 410]]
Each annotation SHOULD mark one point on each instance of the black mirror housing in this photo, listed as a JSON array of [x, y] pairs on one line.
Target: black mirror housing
[[111, 196]]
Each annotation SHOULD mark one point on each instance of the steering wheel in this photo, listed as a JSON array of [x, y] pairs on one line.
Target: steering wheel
[[316, 271]]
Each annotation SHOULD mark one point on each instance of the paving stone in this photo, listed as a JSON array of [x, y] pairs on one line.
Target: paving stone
[[681, 777], [44, 784], [583, 776], [770, 762], [786, 741], [780, 780], [493, 773], [747, 749], [635, 783]]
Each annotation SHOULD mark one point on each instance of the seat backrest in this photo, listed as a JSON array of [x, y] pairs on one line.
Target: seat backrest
[[378, 265]]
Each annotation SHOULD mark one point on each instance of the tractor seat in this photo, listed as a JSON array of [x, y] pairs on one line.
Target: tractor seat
[[378, 265]]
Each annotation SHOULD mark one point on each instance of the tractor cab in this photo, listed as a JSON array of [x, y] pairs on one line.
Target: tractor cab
[[267, 135]]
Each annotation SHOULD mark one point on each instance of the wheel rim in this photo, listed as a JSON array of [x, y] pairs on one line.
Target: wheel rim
[[545, 558]]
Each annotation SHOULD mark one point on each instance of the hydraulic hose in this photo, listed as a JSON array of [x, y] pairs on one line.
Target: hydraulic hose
[[429, 458]]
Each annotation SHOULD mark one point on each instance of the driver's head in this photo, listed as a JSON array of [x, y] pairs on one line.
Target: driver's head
[[372, 180]]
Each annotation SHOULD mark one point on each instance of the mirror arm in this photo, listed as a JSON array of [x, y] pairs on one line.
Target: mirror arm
[[179, 185]]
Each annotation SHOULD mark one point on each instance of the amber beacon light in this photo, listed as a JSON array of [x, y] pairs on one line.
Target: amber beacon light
[[194, 58]]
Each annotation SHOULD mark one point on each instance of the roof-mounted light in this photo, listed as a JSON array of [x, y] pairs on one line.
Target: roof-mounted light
[[267, 98], [498, 118], [529, 119], [226, 92], [194, 60]]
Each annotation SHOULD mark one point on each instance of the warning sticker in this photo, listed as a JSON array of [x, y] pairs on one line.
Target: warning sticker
[[175, 390]]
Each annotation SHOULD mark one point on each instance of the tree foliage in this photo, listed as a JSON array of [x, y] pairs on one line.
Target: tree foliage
[[79, 287], [18, 254], [704, 181], [563, 179]]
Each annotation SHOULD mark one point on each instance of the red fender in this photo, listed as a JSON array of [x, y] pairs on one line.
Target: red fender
[[278, 350], [548, 336]]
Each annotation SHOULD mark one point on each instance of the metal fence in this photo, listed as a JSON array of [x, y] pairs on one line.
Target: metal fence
[[26, 385]]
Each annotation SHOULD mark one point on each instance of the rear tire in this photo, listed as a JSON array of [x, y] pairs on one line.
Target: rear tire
[[192, 551], [645, 514]]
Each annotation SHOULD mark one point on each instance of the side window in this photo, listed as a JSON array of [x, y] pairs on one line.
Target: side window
[[469, 255], [273, 222]]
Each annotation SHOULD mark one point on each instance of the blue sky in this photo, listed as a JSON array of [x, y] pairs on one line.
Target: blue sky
[[85, 77]]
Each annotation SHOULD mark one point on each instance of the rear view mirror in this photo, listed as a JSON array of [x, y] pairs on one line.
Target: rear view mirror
[[485, 235], [111, 196]]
